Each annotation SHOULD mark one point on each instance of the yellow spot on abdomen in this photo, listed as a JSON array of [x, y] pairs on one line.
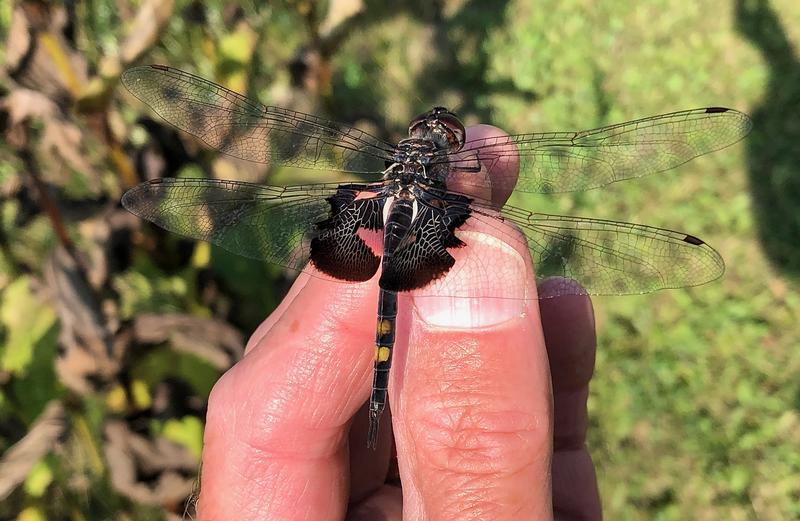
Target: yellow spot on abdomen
[[382, 353], [384, 327]]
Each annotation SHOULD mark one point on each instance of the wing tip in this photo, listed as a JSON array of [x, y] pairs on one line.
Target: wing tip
[[746, 121], [717, 268], [131, 75], [691, 239], [131, 198], [127, 200]]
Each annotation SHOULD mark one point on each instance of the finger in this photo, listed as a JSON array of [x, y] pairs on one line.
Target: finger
[[471, 395], [499, 172], [568, 323], [369, 468], [258, 335], [277, 424], [385, 504]]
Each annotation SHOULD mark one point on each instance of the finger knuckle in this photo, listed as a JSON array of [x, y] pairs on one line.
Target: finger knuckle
[[481, 435]]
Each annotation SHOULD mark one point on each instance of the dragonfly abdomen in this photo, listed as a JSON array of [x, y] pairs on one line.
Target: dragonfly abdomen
[[384, 343], [397, 225]]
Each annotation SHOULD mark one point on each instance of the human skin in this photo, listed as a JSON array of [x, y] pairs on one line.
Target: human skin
[[488, 406]]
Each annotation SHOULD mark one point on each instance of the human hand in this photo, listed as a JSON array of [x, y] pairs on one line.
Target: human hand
[[477, 425]]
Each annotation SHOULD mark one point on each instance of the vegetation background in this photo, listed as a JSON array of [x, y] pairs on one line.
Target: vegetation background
[[112, 332]]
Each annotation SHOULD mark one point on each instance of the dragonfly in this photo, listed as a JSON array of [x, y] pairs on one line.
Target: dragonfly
[[405, 210]]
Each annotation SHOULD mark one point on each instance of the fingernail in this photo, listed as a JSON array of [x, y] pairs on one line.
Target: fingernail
[[488, 285]]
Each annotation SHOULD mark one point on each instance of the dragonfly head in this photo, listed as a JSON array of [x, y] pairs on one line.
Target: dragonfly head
[[440, 126]]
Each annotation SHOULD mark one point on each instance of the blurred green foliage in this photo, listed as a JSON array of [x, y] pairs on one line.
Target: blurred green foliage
[[695, 404]]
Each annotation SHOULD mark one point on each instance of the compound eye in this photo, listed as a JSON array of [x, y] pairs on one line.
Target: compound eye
[[418, 124], [456, 134]]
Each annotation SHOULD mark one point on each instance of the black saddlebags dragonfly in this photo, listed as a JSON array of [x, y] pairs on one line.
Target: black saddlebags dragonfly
[[421, 196]]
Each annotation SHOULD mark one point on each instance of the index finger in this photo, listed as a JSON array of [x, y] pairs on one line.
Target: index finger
[[276, 428]]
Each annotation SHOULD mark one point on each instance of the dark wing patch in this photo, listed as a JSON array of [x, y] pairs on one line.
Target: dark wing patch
[[338, 250], [423, 256]]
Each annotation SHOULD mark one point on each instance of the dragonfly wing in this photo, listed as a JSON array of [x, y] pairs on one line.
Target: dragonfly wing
[[282, 225], [243, 128], [570, 161], [607, 257]]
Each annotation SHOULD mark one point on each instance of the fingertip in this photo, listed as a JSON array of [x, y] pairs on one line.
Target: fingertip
[[487, 167], [569, 331], [500, 159]]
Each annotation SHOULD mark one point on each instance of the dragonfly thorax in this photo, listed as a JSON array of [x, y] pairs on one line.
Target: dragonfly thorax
[[418, 160]]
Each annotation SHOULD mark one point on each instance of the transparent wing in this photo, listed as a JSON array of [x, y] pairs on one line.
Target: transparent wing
[[607, 257], [570, 161], [261, 222], [604, 257], [240, 127]]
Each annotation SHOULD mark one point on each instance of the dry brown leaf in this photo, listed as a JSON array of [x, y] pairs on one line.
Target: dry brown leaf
[[89, 354], [61, 139], [39, 55], [150, 20], [150, 471], [210, 339], [42, 437]]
